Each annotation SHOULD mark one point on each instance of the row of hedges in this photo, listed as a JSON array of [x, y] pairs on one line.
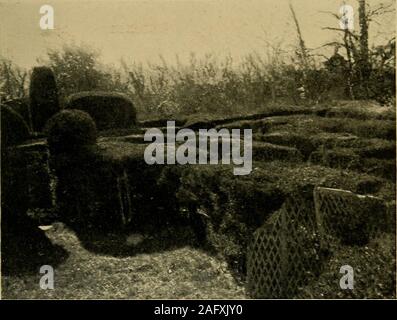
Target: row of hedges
[[223, 209], [109, 110], [313, 125]]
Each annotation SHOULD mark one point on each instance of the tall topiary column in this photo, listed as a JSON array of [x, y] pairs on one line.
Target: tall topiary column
[[44, 101]]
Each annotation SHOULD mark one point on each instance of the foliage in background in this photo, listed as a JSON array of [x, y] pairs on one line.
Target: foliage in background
[[208, 85], [211, 85], [13, 81], [76, 69]]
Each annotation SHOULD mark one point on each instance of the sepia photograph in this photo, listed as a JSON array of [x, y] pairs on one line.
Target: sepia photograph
[[198, 150]]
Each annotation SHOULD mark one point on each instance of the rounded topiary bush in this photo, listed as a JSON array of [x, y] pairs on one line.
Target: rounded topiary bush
[[43, 92], [14, 129], [70, 130], [110, 110]]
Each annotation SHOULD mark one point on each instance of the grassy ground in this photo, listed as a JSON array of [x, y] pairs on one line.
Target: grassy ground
[[180, 273]]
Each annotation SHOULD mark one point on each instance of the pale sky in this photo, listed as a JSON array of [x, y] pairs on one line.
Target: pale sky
[[140, 31]]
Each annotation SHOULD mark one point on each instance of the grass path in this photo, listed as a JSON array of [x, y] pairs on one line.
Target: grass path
[[183, 273]]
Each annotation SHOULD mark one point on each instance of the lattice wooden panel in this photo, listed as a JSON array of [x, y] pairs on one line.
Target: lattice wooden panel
[[349, 217], [287, 250], [284, 251]]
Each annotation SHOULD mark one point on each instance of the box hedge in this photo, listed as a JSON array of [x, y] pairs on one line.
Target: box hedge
[[108, 109]]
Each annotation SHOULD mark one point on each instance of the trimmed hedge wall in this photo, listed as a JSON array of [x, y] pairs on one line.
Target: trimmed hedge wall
[[222, 209], [110, 110]]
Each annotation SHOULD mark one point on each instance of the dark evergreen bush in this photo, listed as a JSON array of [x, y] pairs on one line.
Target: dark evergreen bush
[[21, 106], [44, 101], [14, 129], [109, 109], [24, 247], [69, 130]]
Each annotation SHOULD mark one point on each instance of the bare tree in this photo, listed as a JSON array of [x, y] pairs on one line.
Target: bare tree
[[303, 50], [356, 45]]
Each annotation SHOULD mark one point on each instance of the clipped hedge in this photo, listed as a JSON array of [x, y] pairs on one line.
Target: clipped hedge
[[110, 110], [24, 247], [223, 210], [70, 130], [342, 158], [303, 143], [380, 149], [43, 92], [262, 151]]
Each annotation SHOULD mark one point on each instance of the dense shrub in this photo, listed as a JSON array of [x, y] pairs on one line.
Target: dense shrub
[[21, 106], [108, 109], [69, 130], [13, 80], [77, 69], [43, 96], [385, 168], [22, 242], [24, 247], [380, 149], [14, 129]]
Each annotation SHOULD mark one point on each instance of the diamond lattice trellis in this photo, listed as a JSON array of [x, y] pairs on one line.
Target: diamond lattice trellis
[[284, 250], [349, 217], [287, 250]]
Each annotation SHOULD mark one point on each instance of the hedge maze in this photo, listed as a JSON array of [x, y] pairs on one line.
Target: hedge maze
[[89, 168]]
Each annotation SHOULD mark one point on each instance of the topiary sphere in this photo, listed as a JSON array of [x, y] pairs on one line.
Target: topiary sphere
[[14, 129], [70, 130]]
